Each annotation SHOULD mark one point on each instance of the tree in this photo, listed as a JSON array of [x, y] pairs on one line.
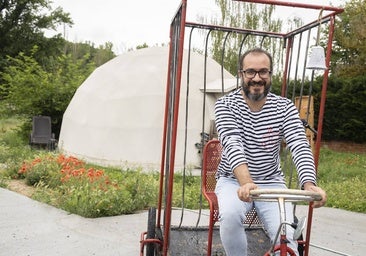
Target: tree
[[248, 16], [99, 55], [349, 51], [345, 117], [32, 90], [22, 26]]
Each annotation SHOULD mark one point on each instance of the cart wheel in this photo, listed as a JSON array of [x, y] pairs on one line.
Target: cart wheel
[[151, 223]]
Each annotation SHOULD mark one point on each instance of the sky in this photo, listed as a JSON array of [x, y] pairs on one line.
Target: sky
[[129, 23]]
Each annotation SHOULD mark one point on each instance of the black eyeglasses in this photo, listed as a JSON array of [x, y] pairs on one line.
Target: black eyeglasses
[[251, 73]]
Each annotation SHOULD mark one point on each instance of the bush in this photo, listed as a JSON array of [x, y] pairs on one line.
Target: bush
[[86, 190], [55, 86], [12, 149], [346, 103]]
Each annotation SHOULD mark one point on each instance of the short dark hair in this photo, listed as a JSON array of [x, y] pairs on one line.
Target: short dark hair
[[256, 50]]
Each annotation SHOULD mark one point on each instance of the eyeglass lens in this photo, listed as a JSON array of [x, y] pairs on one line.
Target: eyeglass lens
[[251, 73]]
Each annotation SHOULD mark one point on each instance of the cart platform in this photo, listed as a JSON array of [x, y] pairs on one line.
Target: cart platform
[[191, 241]]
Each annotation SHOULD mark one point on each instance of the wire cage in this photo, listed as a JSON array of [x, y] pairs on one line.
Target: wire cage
[[169, 235]]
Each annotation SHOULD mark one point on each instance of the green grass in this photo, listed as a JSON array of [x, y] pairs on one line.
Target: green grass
[[343, 176], [118, 191]]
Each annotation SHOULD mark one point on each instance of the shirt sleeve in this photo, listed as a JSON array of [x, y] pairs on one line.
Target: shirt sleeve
[[295, 137], [229, 136]]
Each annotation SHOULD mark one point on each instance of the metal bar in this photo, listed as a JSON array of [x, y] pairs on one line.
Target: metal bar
[[222, 62], [169, 192], [336, 10], [236, 30], [186, 126], [289, 68], [302, 84], [308, 228], [284, 80], [310, 25], [330, 250], [306, 27], [311, 85], [203, 113], [324, 91], [166, 111], [306, 57], [239, 56]]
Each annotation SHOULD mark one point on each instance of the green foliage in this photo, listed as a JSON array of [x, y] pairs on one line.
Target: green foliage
[[12, 149], [39, 74], [144, 45], [86, 190], [43, 169], [50, 91], [89, 53], [22, 26], [187, 192], [95, 199], [345, 107], [349, 51]]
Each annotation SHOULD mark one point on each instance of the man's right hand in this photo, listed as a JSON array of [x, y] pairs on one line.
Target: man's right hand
[[244, 191]]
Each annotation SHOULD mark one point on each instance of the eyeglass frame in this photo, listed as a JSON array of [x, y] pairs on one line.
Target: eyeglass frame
[[256, 72]]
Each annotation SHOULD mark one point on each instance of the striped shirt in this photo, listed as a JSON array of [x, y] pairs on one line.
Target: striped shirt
[[255, 138]]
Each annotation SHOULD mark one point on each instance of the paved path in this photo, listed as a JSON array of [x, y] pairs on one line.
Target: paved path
[[31, 228]]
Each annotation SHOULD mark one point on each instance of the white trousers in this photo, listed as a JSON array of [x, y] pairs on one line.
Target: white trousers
[[232, 216]]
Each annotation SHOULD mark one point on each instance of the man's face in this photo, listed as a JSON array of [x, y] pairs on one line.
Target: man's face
[[256, 86]]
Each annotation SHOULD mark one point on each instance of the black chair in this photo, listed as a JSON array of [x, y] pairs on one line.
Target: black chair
[[41, 134]]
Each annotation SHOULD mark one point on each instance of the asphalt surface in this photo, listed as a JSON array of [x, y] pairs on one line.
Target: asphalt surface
[[31, 228]]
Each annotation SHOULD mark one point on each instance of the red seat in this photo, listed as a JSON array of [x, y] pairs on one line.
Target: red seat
[[211, 159]]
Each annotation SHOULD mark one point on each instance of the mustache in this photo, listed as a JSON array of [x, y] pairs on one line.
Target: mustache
[[253, 83]]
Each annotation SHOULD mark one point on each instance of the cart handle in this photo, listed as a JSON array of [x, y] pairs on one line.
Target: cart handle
[[291, 195]]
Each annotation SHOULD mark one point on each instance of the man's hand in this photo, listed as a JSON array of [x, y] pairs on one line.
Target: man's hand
[[242, 174], [311, 187], [244, 191]]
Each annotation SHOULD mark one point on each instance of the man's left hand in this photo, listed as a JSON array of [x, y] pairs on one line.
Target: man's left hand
[[311, 187]]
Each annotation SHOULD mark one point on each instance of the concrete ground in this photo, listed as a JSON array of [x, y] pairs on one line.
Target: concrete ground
[[31, 228]]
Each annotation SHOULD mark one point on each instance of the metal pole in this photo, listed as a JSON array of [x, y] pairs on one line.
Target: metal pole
[[178, 74]]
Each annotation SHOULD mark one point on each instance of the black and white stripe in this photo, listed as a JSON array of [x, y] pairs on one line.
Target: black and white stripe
[[255, 138]]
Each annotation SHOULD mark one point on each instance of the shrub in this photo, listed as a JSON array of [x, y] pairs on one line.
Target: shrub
[[86, 190]]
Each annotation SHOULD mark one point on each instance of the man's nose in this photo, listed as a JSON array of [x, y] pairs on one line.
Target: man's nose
[[257, 77]]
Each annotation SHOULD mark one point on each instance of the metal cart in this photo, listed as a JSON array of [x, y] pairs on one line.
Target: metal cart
[[166, 235]]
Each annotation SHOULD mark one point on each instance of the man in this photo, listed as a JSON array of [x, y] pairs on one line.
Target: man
[[251, 123]]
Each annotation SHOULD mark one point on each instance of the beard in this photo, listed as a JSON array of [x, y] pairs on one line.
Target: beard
[[255, 96]]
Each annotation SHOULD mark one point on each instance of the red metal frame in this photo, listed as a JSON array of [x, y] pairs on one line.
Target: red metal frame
[[335, 10], [283, 248], [144, 241], [174, 78], [171, 157]]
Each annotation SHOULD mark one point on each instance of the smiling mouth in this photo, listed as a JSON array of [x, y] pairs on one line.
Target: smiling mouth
[[259, 83]]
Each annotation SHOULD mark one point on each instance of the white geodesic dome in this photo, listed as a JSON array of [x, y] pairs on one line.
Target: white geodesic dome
[[116, 116]]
